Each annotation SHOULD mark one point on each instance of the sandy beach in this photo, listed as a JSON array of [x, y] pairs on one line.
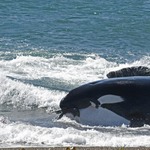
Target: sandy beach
[[79, 148]]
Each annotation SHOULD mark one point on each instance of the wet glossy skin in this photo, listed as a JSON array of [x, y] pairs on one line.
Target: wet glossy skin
[[135, 91]]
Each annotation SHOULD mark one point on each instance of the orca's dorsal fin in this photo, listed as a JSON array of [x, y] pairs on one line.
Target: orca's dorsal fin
[[130, 71]]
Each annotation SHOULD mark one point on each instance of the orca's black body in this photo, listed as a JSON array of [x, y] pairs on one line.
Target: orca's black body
[[134, 92]]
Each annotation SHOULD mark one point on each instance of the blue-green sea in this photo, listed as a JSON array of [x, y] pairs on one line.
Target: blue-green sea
[[50, 47]]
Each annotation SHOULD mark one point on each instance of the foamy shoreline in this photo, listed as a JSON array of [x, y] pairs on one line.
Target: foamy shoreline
[[78, 148]]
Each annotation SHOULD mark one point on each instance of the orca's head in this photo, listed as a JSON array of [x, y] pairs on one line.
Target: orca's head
[[70, 105], [72, 110], [76, 99]]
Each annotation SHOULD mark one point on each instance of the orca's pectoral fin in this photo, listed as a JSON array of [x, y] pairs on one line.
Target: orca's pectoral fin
[[136, 122], [97, 104]]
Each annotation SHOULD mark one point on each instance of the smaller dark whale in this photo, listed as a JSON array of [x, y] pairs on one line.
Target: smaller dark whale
[[132, 94], [129, 72]]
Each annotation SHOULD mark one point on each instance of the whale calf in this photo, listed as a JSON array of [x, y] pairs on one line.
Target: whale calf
[[128, 97]]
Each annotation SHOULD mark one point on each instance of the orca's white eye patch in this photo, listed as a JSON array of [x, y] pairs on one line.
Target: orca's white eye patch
[[110, 99]]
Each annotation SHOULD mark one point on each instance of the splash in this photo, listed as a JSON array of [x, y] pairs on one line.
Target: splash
[[26, 108]]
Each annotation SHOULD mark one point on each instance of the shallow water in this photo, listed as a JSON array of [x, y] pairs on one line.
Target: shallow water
[[47, 49]]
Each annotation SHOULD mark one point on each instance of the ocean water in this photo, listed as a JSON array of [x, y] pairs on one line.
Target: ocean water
[[48, 48]]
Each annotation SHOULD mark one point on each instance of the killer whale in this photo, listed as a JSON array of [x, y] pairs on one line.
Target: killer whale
[[132, 95]]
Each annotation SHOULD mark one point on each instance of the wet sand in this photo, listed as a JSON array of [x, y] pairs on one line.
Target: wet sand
[[78, 148]]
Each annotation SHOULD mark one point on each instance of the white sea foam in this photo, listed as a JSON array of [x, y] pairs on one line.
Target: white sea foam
[[58, 67], [19, 94], [16, 134], [35, 127]]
